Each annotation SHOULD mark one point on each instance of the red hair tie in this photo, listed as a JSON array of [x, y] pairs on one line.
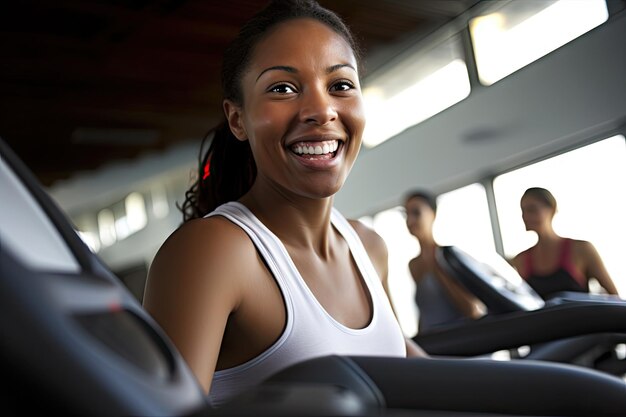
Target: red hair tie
[[207, 166]]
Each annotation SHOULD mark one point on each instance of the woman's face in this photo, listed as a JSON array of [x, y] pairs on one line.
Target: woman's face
[[419, 217], [302, 109], [536, 214]]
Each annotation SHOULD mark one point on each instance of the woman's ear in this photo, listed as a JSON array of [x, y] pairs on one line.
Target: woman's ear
[[235, 120]]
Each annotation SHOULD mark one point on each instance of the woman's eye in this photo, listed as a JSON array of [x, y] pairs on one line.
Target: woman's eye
[[342, 86], [282, 89]]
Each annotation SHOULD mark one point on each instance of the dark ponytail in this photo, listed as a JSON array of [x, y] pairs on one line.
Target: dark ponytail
[[231, 167], [225, 173]]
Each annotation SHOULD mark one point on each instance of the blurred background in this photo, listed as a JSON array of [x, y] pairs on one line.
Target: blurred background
[[107, 102]]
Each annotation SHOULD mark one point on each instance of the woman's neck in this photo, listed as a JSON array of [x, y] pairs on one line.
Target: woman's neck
[[548, 238], [299, 222], [427, 240]]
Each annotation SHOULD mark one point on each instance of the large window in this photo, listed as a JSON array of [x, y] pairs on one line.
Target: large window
[[463, 220], [509, 36], [122, 219], [415, 89], [588, 184], [516, 33]]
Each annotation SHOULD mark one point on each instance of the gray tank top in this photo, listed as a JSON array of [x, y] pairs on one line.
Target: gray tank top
[[434, 304], [310, 331]]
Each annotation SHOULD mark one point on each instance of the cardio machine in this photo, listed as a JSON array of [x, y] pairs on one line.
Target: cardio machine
[[518, 317], [76, 341]]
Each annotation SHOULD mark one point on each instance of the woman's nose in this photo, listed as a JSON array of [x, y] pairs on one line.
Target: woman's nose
[[317, 107]]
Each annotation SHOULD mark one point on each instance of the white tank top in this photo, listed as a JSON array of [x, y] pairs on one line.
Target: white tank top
[[309, 331]]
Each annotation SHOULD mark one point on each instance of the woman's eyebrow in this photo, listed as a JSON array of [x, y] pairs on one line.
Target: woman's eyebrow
[[293, 70], [277, 68], [334, 68]]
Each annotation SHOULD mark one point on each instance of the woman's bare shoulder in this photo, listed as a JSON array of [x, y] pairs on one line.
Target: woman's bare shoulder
[[580, 244], [417, 267], [375, 246], [195, 282], [372, 241], [583, 248], [201, 238], [200, 253], [521, 255]]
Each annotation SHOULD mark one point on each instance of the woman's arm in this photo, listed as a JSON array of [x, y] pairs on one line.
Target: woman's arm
[[413, 350], [467, 303], [594, 268], [191, 291], [376, 248]]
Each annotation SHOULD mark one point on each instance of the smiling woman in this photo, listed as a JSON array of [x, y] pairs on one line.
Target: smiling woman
[[258, 276], [312, 102]]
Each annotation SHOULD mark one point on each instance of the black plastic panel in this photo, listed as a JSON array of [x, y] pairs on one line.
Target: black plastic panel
[[129, 337]]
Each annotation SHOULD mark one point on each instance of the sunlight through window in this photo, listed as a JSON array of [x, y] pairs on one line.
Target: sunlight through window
[[160, 206], [90, 239], [136, 216], [413, 91], [106, 227], [521, 32], [588, 184]]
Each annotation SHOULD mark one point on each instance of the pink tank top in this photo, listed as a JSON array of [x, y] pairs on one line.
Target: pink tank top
[[565, 276]]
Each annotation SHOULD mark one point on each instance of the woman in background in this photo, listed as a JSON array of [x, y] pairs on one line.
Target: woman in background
[[556, 263], [440, 299]]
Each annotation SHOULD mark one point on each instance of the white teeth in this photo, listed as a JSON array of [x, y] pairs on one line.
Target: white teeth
[[324, 148]]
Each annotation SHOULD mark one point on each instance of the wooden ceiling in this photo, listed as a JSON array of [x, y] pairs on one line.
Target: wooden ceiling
[[86, 82]]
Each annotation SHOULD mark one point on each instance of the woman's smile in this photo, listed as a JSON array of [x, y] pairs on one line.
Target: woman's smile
[[303, 110], [317, 154]]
